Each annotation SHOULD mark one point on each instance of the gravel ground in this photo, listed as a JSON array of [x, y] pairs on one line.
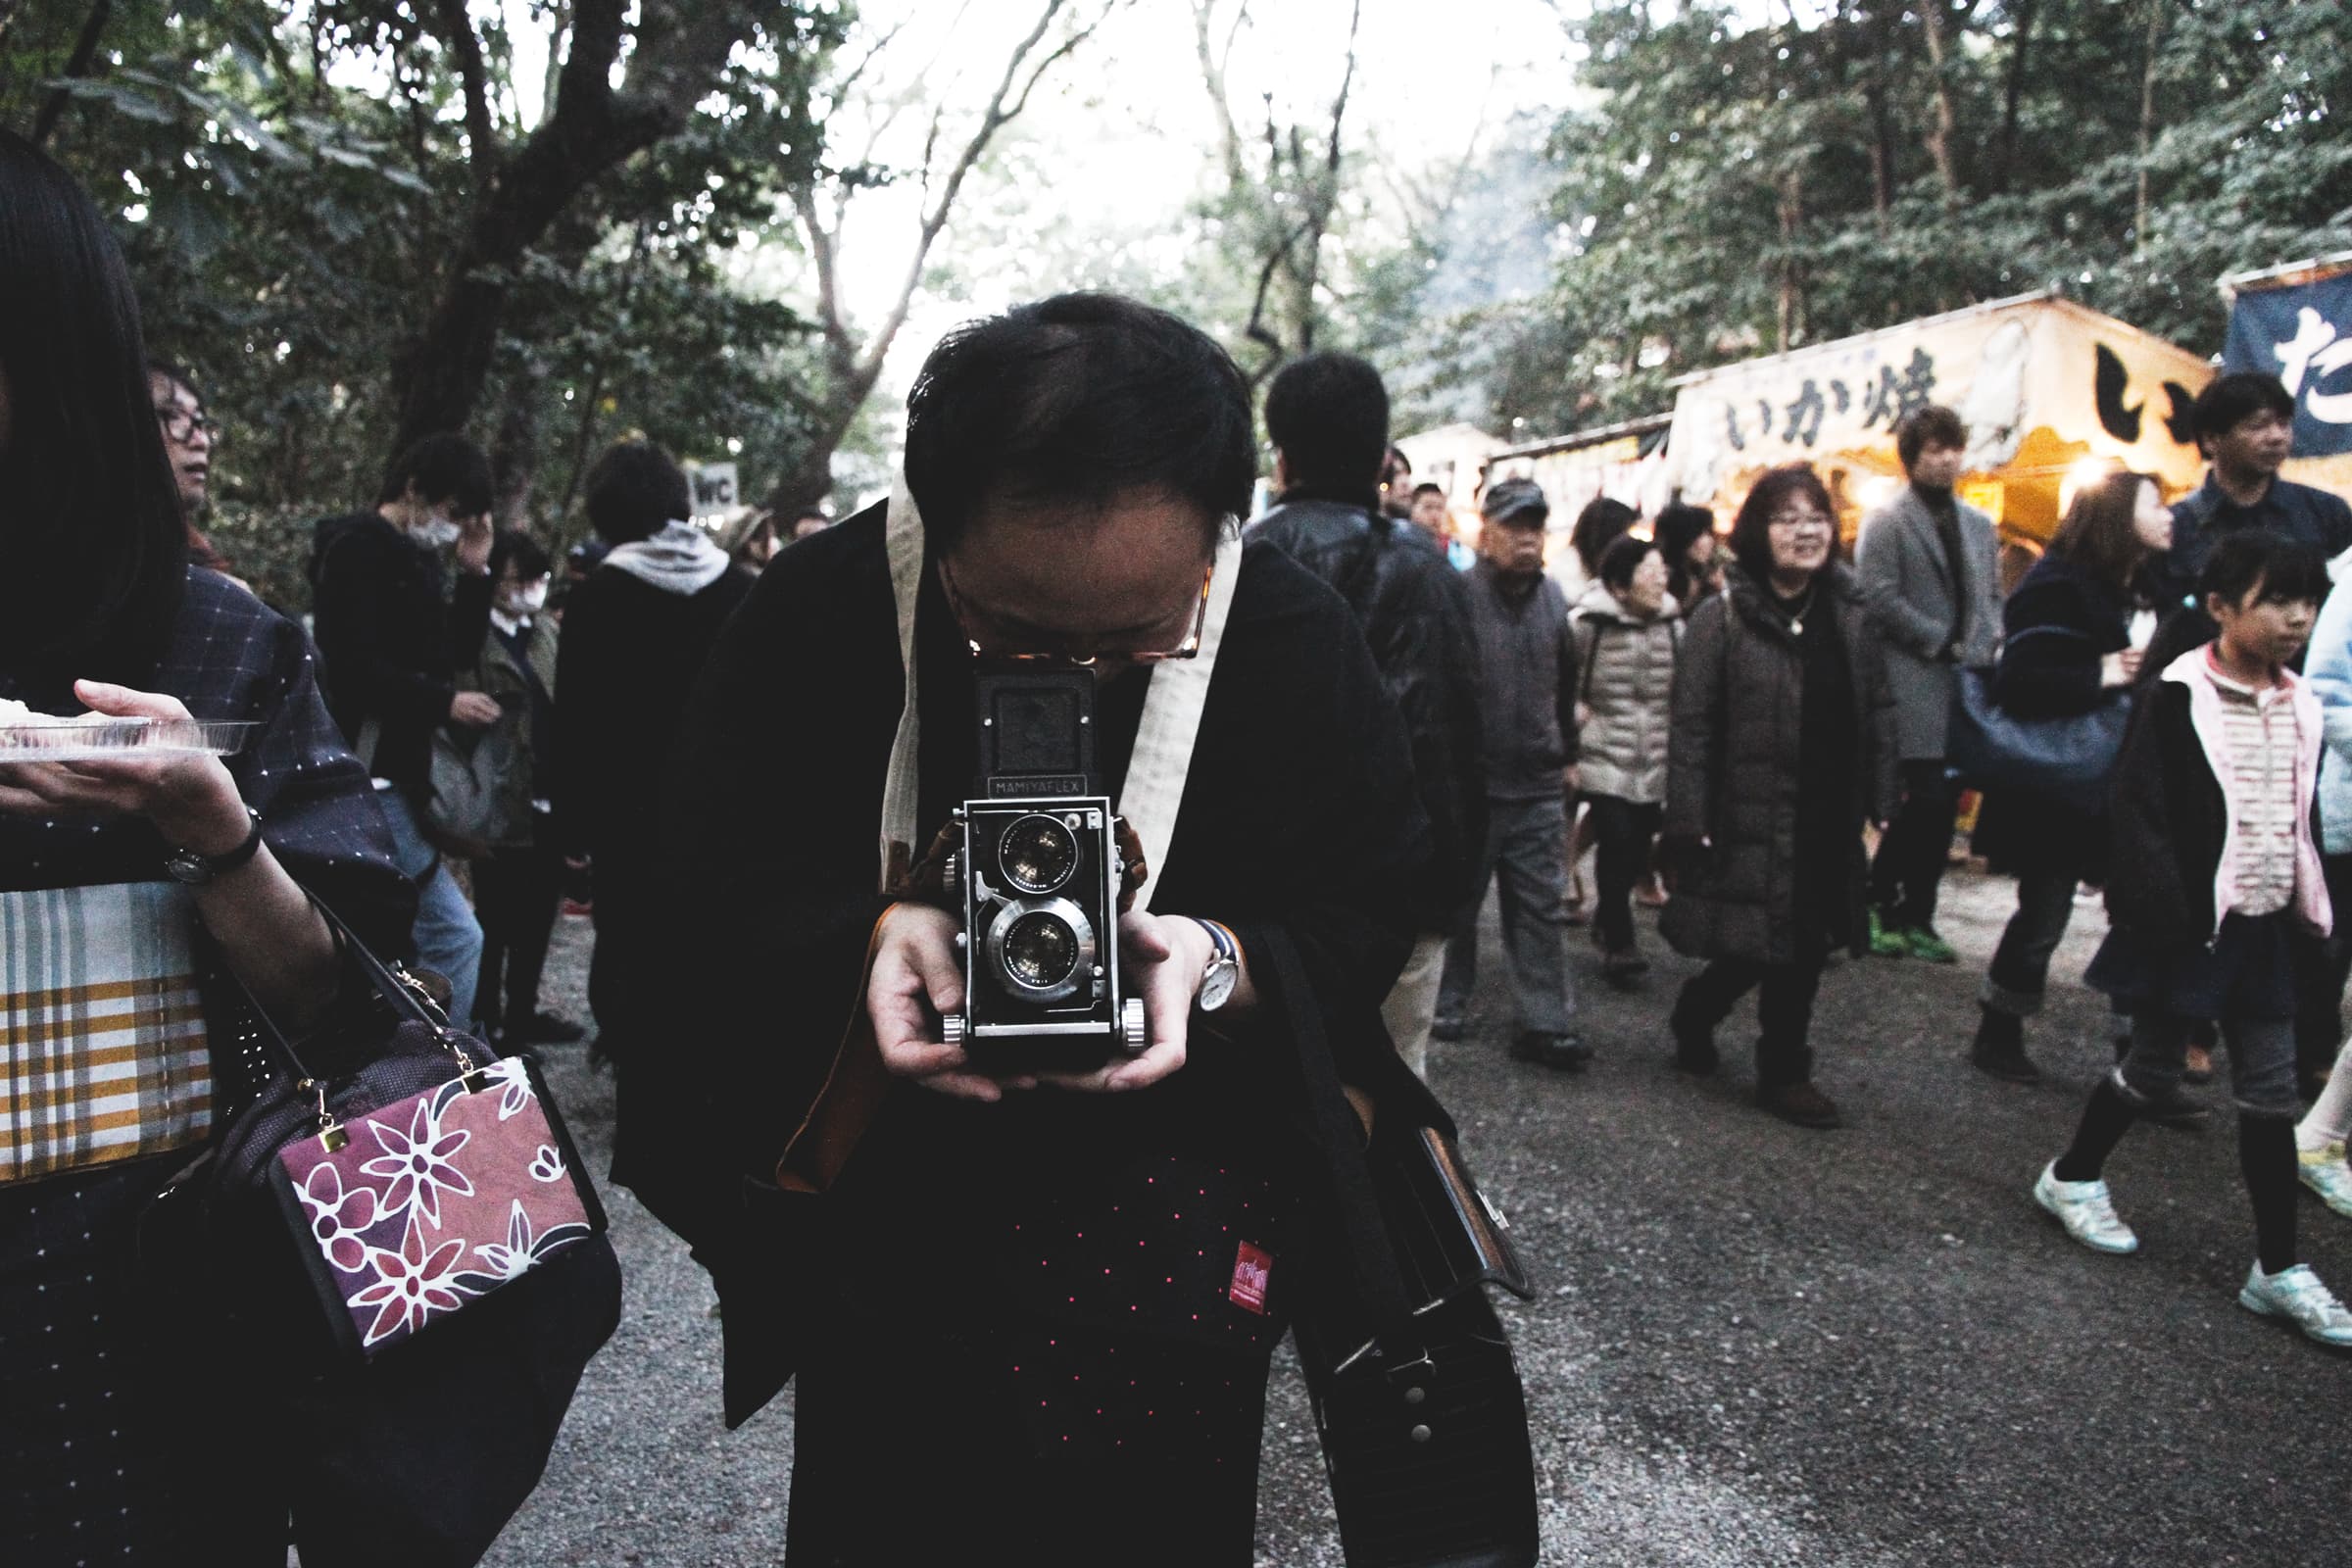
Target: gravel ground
[[1752, 1345]]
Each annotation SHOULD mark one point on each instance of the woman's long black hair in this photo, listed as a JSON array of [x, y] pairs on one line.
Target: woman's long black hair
[[93, 545]]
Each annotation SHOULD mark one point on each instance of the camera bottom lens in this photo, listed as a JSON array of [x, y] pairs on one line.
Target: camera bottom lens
[[1041, 950]]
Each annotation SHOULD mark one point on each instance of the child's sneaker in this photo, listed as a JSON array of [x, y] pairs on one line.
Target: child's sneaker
[[2325, 1172], [1927, 946], [2296, 1294], [2087, 1211]]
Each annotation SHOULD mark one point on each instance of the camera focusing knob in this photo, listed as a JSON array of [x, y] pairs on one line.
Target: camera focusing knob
[[951, 1028], [1131, 1027], [951, 874]]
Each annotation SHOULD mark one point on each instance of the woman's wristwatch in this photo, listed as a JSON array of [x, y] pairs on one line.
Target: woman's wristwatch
[[1224, 970], [195, 869]]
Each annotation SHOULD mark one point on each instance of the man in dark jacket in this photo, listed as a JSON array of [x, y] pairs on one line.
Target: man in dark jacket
[[390, 647], [635, 636], [2245, 425], [1527, 704], [1328, 417]]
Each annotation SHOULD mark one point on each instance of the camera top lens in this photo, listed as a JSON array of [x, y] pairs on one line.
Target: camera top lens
[[1037, 854], [1041, 950]]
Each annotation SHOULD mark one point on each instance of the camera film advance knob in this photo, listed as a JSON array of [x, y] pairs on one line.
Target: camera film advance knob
[[952, 1027], [1131, 1027]]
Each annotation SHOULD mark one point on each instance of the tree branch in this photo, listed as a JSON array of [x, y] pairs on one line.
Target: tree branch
[[481, 135], [78, 64]]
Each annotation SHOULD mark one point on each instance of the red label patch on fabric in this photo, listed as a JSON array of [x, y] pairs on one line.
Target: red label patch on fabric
[[1251, 1269]]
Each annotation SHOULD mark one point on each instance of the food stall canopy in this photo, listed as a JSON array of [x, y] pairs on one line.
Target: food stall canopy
[[2049, 390], [1452, 455], [2295, 322]]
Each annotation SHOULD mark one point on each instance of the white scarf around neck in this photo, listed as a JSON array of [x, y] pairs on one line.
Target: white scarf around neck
[[679, 560]]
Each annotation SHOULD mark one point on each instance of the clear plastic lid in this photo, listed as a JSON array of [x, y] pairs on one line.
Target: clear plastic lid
[[43, 739]]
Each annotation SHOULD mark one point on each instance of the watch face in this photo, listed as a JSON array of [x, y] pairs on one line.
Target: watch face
[[1217, 985], [186, 865]]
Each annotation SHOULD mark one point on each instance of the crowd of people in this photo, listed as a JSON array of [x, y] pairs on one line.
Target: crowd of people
[[1038, 1267]]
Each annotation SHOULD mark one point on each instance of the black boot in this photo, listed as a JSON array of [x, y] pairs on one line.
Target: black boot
[[1999, 1049], [1693, 1042]]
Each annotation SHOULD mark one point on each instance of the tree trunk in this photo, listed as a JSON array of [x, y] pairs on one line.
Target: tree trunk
[[78, 64], [2147, 126], [1941, 127], [2004, 162], [592, 129], [1881, 118], [1788, 314]]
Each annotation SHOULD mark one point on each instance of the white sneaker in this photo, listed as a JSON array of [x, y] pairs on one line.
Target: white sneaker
[[2325, 1172], [2086, 1211], [2296, 1294]]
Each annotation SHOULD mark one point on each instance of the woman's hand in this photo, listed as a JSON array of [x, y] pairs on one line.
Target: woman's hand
[[191, 800], [918, 975], [1163, 959], [2120, 668]]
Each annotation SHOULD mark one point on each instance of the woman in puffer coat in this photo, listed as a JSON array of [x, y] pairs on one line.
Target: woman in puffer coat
[[1783, 742], [1626, 627]]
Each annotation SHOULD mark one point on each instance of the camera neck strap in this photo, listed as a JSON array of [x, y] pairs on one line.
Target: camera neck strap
[[1163, 739]]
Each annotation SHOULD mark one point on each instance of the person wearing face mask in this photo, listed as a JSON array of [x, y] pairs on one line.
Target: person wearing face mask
[[1627, 628], [518, 881], [392, 637]]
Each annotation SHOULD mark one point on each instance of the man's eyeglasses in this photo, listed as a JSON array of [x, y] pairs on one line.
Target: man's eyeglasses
[[1006, 647], [181, 424]]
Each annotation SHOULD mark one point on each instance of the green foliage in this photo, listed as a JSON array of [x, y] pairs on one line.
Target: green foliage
[[291, 181], [1723, 187]]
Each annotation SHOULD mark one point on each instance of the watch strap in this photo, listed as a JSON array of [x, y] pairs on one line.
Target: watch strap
[[221, 864]]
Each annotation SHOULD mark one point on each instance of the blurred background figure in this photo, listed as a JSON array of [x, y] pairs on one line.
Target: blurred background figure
[[518, 881], [188, 439], [1626, 631]]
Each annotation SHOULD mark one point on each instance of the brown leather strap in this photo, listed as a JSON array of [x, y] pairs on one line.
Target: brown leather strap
[[853, 1093]]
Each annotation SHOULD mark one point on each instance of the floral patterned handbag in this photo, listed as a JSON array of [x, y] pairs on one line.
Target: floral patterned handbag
[[406, 1210]]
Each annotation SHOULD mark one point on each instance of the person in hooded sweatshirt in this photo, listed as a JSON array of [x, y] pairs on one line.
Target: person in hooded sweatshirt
[[635, 635]]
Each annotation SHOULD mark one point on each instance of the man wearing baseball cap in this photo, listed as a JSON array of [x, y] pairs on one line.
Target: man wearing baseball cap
[[1527, 711]]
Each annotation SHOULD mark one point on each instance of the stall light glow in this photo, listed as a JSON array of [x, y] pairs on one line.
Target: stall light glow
[[1877, 490], [2079, 472]]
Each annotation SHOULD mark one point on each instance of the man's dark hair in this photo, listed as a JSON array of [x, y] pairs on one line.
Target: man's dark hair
[[1624, 558], [1751, 530], [1597, 528], [1073, 401], [1676, 527], [529, 555], [444, 466], [1932, 426], [90, 525], [634, 492], [2286, 573], [1327, 415], [2229, 401]]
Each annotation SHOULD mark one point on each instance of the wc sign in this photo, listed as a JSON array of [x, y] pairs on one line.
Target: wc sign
[[713, 487], [2301, 333]]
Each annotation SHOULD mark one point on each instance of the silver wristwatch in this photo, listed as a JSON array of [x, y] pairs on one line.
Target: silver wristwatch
[[1224, 970]]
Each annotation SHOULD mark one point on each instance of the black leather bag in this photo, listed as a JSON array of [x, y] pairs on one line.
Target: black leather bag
[[418, 1458], [1416, 1394]]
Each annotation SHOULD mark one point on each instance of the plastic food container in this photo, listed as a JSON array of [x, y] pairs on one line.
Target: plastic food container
[[66, 740]]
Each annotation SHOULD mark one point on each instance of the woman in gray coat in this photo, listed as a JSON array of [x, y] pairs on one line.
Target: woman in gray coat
[[1783, 742]]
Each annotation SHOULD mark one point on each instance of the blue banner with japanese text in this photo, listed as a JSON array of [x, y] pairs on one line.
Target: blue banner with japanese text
[[2302, 334]]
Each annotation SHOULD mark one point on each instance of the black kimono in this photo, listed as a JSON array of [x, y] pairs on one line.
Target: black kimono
[[1032, 1306]]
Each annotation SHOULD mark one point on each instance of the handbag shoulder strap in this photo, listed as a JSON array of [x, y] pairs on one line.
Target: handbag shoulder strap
[[1162, 759]]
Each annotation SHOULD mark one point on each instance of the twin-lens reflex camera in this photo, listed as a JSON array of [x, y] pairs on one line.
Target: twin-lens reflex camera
[[1037, 868]]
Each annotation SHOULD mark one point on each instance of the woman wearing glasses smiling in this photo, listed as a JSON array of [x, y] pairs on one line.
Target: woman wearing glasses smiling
[[1783, 744], [1038, 1305]]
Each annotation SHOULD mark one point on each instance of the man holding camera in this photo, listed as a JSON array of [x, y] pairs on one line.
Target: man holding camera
[[1050, 1291]]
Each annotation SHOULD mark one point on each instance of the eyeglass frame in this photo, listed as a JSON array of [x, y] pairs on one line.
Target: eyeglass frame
[[172, 417], [1189, 648]]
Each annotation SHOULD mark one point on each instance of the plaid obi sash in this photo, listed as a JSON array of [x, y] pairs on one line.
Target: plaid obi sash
[[102, 1034]]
